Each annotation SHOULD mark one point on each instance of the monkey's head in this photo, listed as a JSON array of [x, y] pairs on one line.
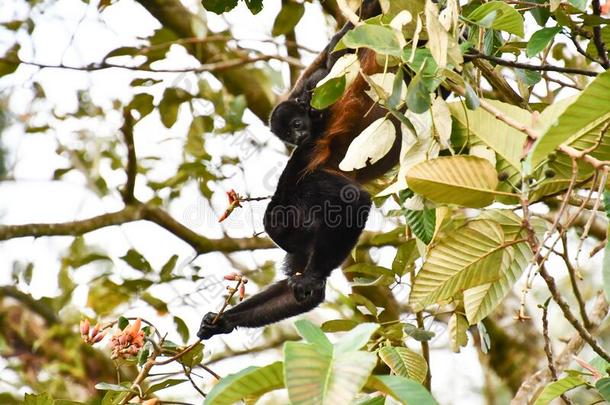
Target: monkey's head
[[291, 122]]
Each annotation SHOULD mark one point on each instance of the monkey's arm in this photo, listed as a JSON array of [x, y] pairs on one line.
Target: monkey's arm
[[271, 305]]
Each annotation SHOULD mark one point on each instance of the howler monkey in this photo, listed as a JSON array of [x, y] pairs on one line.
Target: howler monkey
[[317, 212]]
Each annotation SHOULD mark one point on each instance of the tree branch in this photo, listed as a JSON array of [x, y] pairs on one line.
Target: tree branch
[[597, 37], [140, 211], [132, 163], [541, 378], [476, 54]]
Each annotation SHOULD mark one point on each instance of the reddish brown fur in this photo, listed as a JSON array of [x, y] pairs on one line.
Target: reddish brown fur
[[351, 114]]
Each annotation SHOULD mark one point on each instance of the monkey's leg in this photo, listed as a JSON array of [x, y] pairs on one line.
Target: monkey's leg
[[271, 305]]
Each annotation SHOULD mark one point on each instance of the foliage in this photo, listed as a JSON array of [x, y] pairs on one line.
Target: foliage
[[496, 184]]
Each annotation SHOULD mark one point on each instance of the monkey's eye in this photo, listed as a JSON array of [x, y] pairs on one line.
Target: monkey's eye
[[297, 124]]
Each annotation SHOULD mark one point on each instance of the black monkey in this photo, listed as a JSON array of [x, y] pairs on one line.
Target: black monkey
[[317, 212]]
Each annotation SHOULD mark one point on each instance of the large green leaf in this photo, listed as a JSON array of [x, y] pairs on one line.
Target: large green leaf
[[404, 362], [479, 301], [467, 257], [321, 378], [462, 180], [499, 16], [590, 110], [381, 39], [407, 391], [251, 381], [505, 140], [556, 388]]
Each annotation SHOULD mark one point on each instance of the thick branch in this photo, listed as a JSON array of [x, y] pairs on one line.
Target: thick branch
[[139, 211], [41, 308], [475, 54]]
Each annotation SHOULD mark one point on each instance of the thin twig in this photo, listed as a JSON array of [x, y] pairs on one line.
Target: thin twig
[[474, 53], [573, 281]]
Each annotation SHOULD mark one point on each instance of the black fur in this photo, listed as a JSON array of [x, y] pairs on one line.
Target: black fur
[[315, 216]]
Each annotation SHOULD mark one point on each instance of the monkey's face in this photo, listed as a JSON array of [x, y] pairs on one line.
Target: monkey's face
[[290, 121]]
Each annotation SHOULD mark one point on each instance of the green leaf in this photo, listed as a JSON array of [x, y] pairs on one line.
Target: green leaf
[[122, 322], [587, 113], [326, 94], [480, 301], [500, 16], [111, 387], [165, 384], [320, 378], [418, 95], [355, 338], [603, 387], [287, 18], [252, 381], [404, 362], [255, 6], [405, 390], [419, 334], [166, 271], [422, 223], [219, 6], [182, 329], [382, 40], [468, 181], [313, 334], [38, 399], [540, 39], [137, 261], [193, 357], [579, 4], [7, 66], [472, 100], [469, 256], [143, 103], [555, 389], [339, 325]]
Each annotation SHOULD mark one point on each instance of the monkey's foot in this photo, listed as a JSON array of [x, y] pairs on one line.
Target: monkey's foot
[[208, 328], [303, 286]]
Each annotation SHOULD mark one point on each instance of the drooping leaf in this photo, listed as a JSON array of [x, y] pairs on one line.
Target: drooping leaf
[[422, 223], [462, 180], [469, 256], [137, 261], [556, 388], [219, 6], [165, 384], [251, 381], [370, 146], [404, 362], [287, 18], [458, 325]]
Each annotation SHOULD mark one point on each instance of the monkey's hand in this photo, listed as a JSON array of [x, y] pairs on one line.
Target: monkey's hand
[[208, 328], [304, 286]]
